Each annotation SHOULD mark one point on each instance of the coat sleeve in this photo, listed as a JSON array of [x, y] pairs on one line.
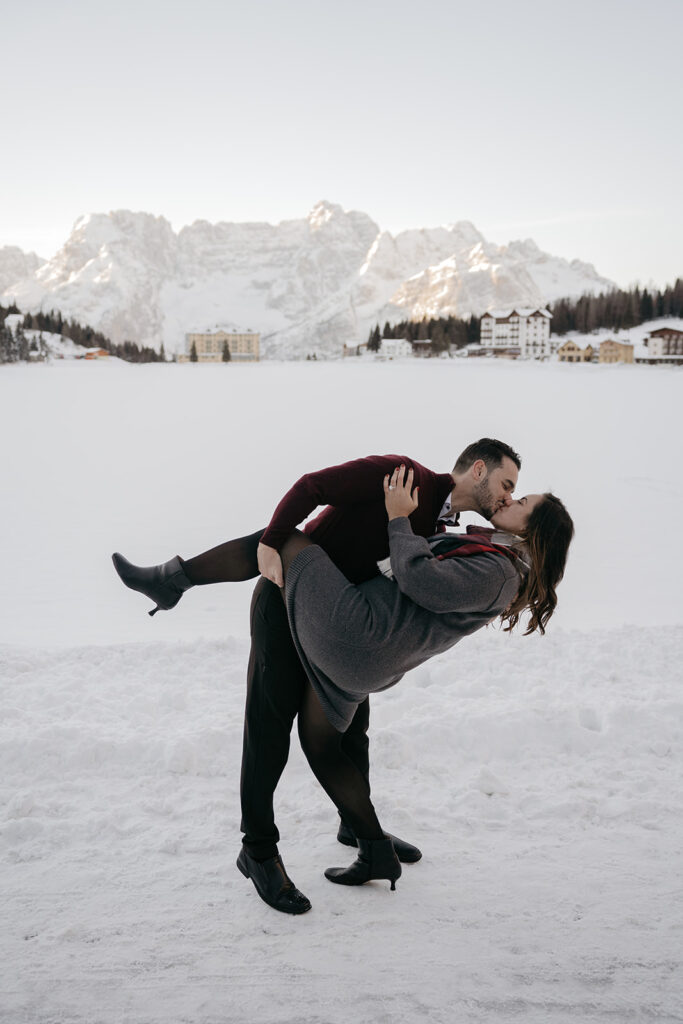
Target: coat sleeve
[[347, 484], [479, 583]]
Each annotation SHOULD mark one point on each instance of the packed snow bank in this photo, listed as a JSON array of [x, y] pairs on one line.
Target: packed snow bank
[[542, 779]]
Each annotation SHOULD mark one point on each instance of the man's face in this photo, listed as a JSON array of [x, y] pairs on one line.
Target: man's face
[[494, 490]]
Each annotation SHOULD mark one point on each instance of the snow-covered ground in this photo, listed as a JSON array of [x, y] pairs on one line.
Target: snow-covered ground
[[541, 776]]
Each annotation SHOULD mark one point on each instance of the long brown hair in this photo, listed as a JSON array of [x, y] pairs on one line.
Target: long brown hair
[[547, 537]]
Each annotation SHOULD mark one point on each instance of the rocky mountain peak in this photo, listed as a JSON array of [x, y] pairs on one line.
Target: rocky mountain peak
[[16, 264], [322, 213], [307, 285]]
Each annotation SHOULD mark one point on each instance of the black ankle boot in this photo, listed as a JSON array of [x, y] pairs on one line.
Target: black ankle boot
[[273, 884], [376, 859], [164, 584], [406, 852]]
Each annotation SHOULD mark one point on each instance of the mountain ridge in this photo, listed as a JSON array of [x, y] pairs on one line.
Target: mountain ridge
[[307, 285]]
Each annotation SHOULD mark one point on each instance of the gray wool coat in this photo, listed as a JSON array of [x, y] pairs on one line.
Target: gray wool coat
[[359, 639]]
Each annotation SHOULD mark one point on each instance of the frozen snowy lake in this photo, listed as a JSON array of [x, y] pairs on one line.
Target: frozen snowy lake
[[158, 460], [541, 777]]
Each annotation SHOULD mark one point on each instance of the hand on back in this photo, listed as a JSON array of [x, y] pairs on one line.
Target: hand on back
[[399, 497]]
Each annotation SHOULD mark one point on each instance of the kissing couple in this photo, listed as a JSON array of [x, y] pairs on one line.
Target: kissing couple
[[372, 587]]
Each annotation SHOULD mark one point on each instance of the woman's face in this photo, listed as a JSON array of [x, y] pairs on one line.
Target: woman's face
[[513, 518]]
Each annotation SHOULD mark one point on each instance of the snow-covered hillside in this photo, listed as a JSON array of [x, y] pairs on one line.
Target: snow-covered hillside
[[45, 343], [308, 285]]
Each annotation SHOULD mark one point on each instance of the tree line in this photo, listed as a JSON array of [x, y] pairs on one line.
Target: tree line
[[15, 346], [616, 309], [442, 333]]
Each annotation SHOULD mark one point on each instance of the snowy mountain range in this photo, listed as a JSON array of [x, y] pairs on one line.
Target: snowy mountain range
[[307, 285]]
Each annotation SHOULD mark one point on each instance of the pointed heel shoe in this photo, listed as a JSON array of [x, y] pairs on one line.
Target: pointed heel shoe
[[164, 584], [406, 852], [376, 860]]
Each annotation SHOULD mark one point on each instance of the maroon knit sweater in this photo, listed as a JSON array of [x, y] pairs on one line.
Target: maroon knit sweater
[[353, 528]]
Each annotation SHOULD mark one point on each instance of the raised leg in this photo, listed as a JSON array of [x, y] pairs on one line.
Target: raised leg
[[231, 562], [165, 584]]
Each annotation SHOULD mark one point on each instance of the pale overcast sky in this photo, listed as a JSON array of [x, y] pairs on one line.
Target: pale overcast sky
[[560, 122]]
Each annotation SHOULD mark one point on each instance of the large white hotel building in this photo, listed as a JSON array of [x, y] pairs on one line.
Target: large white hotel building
[[517, 332]]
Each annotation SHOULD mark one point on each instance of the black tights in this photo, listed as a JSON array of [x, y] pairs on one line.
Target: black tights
[[341, 779], [231, 562], [345, 785]]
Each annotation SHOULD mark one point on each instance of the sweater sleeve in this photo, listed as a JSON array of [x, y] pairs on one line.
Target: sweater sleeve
[[471, 584], [347, 484]]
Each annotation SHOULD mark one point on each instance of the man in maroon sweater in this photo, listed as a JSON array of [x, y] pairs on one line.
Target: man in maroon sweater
[[352, 529]]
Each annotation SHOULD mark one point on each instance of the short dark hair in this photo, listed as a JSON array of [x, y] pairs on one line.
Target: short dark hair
[[490, 451]]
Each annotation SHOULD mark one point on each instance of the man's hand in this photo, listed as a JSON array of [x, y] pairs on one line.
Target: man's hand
[[270, 564], [399, 498]]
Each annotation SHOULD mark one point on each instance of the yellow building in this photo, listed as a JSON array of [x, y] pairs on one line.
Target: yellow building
[[572, 352], [615, 352], [242, 345]]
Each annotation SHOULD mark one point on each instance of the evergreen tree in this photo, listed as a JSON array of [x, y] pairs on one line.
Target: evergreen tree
[[473, 329], [677, 297], [438, 339], [162, 353], [5, 344], [194, 358], [21, 345], [226, 357], [457, 332], [375, 340]]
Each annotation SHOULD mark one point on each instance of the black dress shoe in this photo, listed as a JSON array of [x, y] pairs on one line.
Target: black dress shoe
[[406, 852], [273, 884], [164, 584], [376, 859]]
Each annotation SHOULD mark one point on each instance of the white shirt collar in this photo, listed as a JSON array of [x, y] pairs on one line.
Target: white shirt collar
[[446, 515]]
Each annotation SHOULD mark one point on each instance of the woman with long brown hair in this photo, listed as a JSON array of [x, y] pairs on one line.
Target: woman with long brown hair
[[359, 639]]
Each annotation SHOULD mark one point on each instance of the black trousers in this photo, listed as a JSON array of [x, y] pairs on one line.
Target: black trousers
[[276, 682]]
